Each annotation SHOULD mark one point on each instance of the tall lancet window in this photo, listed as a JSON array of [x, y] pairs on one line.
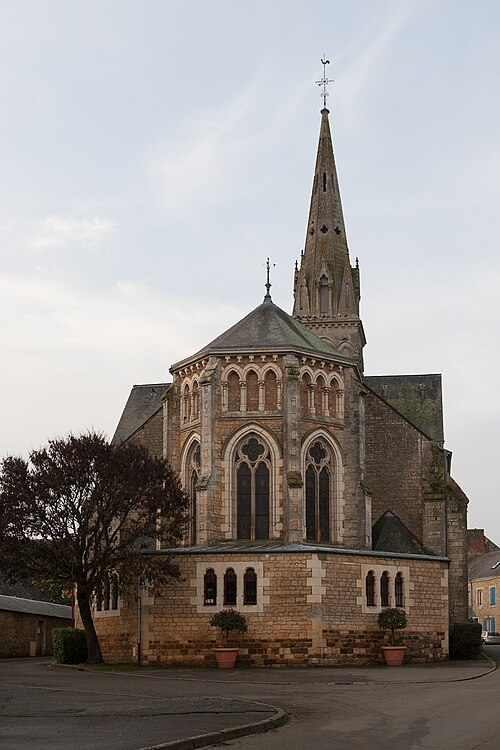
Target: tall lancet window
[[253, 486], [318, 492], [193, 474], [324, 293]]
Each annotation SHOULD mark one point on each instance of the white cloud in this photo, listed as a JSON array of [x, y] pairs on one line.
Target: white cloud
[[69, 232]]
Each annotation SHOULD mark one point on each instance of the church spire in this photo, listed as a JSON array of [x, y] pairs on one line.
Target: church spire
[[326, 288]]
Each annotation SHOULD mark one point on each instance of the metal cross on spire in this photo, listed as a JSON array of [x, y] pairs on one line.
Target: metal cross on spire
[[324, 81], [268, 283]]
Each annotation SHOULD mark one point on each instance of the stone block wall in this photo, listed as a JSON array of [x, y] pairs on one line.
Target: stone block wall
[[18, 633], [311, 609]]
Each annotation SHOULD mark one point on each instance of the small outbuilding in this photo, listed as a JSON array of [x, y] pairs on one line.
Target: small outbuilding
[[26, 625]]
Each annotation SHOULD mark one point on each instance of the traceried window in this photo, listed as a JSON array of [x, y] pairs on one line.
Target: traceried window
[[384, 589], [193, 474], [252, 466], [230, 587], [370, 588], [250, 587], [318, 492], [398, 590], [210, 587]]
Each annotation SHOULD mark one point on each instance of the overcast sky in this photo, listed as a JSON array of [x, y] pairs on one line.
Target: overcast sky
[[153, 154]]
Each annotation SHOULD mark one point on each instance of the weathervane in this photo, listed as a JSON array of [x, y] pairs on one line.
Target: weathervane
[[324, 81], [268, 283]]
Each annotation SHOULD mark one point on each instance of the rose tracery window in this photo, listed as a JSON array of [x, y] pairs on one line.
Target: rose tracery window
[[253, 472], [318, 492]]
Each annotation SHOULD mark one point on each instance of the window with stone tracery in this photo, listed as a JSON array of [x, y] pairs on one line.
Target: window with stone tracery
[[319, 477], [193, 474], [252, 468]]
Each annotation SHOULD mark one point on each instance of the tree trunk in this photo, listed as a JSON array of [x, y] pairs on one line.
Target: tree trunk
[[94, 655]]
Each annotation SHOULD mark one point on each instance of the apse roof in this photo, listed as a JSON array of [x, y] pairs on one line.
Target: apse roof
[[143, 402], [416, 397], [391, 535], [266, 328]]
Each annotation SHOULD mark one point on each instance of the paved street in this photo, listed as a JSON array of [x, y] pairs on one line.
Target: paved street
[[378, 708]]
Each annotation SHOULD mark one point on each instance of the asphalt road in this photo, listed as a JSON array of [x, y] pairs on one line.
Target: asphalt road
[[330, 709]]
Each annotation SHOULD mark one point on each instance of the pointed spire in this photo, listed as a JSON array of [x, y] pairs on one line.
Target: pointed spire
[[326, 286]]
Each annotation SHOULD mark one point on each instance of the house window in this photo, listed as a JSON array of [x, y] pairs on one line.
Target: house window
[[210, 588], [398, 590], [230, 587], [250, 587], [318, 484], [493, 596], [253, 471], [370, 588], [479, 595], [384, 589]]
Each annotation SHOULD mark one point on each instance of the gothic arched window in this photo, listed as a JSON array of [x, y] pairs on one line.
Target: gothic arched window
[[252, 391], [210, 587], [398, 590], [253, 479], [193, 474], [318, 492], [384, 589], [233, 391], [250, 587], [370, 588], [230, 587], [271, 391]]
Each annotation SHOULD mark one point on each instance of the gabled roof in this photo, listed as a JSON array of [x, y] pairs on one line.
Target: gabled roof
[[143, 402], [417, 397], [268, 328], [33, 607], [391, 535], [21, 588], [485, 566]]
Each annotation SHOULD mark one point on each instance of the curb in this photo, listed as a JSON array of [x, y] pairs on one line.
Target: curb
[[203, 740]]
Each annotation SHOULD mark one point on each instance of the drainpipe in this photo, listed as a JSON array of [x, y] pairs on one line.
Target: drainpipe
[[139, 603]]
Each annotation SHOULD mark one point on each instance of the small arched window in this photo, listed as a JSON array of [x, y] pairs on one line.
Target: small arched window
[[233, 391], [210, 587], [305, 384], [384, 589], [230, 587], [370, 588], [106, 596], [324, 294], [98, 597], [114, 591], [398, 590], [271, 391], [195, 401], [250, 587], [252, 391], [319, 396]]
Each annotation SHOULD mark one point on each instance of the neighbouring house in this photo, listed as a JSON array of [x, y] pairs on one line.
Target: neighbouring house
[[484, 587], [319, 495], [26, 625]]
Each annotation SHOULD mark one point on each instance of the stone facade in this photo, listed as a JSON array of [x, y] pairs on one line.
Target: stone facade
[[310, 609], [318, 495]]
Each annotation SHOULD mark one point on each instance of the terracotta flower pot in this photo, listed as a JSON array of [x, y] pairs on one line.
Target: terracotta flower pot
[[225, 657], [393, 655]]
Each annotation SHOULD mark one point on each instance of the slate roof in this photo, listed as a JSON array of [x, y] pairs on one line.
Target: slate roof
[[268, 328], [33, 607], [485, 566], [276, 546], [391, 535], [417, 397], [143, 402], [21, 589]]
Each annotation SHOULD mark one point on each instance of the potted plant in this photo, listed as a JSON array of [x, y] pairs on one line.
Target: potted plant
[[393, 619], [227, 620]]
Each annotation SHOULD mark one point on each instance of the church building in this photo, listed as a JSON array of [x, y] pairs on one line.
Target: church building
[[319, 495]]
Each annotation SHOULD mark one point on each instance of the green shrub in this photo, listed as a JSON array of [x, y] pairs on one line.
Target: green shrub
[[70, 645], [465, 640], [392, 619], [228, 620]]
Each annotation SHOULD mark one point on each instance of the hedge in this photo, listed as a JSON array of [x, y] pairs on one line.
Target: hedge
[[70, 645], [465, 640]]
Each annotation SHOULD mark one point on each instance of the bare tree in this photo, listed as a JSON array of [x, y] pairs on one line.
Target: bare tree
[[82, 510]]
